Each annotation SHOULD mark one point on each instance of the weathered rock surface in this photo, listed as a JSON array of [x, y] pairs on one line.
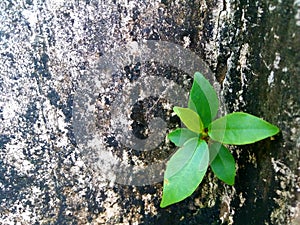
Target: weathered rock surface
[[48, 47]]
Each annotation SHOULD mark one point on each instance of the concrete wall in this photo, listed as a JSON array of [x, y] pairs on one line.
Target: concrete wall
[[50, 52]]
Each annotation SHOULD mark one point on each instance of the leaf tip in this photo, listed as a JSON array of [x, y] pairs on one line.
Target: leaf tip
[[198, 74], [175, 108], [230, 182], [277, 130], [162, 205]]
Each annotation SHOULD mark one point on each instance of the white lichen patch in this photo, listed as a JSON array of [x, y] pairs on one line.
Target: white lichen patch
[[242, 200], [275, 67], [149, 206], [243, 66], [187, 41], [220, 13], [297, 15], [244, 63], [276, 60], [271, 78], [287, 179], [14, 156], [226, 212], [208, 192], [244, 21]]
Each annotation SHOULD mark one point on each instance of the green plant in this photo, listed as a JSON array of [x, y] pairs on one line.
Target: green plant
[[202, 142]]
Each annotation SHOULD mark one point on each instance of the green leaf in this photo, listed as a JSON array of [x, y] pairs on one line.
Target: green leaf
[[223, 165], [190, 119], [240, 128], [185, 171], [203, 99], [181, 135]]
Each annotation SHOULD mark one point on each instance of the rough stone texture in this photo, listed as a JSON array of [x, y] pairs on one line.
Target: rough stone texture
[[47, 46]]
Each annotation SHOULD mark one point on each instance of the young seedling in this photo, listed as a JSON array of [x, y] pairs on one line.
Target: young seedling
[[201, 143]]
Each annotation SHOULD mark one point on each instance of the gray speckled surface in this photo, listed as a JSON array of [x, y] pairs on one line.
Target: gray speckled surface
[[46, 47]]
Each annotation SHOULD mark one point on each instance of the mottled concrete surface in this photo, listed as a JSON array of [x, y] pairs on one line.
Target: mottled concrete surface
[[47, 47]]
